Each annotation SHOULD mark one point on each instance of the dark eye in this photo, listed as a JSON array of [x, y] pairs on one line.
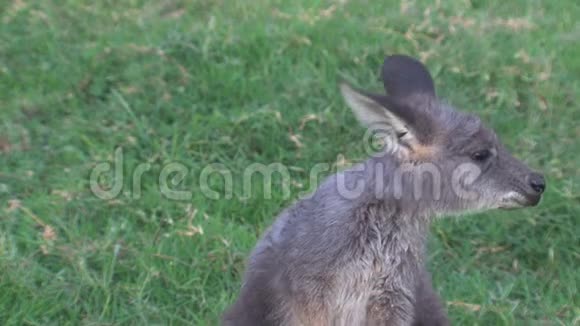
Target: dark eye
[[481, 156]]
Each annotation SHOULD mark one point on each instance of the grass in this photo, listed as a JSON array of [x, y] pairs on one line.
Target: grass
[[242, 82]]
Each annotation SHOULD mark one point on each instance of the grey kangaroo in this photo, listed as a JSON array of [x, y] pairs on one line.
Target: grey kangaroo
[[353, 252]]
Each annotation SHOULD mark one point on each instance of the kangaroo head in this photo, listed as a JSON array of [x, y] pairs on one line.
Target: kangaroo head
[[467, 165]]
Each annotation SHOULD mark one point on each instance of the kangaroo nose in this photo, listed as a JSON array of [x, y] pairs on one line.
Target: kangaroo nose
[[537, 182]]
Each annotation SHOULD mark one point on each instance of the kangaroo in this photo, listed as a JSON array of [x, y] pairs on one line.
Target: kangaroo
[[353, 252]]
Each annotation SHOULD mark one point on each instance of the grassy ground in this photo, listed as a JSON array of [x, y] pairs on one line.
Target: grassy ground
[[239, 82]]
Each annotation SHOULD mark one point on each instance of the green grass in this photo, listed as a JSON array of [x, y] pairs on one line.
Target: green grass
[[231, 82]]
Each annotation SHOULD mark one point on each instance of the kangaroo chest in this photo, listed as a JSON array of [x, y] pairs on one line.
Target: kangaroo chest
[[380, 284]]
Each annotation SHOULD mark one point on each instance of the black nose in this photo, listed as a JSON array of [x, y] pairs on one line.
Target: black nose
[[537, 182]]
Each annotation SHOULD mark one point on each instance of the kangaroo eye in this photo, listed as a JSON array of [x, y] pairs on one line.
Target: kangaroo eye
[[481, 155]]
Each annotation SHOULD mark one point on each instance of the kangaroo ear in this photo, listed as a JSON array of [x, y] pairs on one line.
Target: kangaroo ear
[[371, 109], [404, 76], [396, 123]]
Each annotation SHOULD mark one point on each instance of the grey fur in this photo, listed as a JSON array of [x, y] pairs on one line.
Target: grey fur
[[332, 259]]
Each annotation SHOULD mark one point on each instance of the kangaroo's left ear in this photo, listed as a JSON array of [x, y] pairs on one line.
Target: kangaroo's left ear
[[395, 121], [372, 110]]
